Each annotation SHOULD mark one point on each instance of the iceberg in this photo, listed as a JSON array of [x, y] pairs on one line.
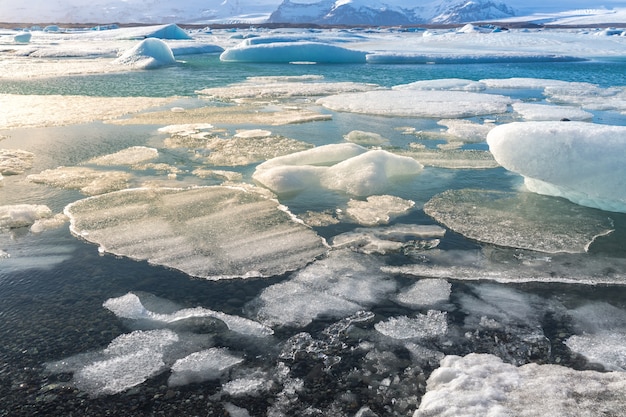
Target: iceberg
[[88, 180], [209, 232], [150, 53], [582, 162], [345, 167], [290, 52]]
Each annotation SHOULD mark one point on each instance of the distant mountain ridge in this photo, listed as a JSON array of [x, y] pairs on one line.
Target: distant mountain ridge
[[376, 12]]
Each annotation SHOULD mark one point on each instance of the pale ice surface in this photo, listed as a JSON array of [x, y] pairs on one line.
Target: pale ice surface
[[425, 293], [423, 326], [15, 161], [337, 286], [286, 52], [579, 161], [129, 156], [202, 366], [149, 53], [248, 234], [129, 306], [483, 385], [19, 111], [542, 112], [365, 138], [88, 180], [419, 103], [346, 167], [21, 215], [451, 158], [521, 220], [378, 209], [390, 239]]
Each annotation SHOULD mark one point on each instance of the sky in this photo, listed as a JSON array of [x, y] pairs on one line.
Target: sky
[[164, 11]]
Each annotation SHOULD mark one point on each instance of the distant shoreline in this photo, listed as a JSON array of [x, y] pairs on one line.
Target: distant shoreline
[[511, 25]]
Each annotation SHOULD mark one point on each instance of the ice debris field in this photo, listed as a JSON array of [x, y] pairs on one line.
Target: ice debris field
[[314, 222]]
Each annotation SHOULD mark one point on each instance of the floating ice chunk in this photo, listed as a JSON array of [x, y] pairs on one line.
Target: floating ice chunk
[[23, 37], [423, 326], [602, 335], [15, 161], [425, 293], [365, 138], [340, 285], [286, 52], [579, 161], [253, 133], [248, 148], [543, 112], [194, 48], [588, 96], [418, 103], [186, 129], [202, 366], [520, 220], [482, 385], [455, 84], [128, 360], [129, 156], [88, 181], [342, 167], [22, 215], [148, 54], [369, 173], [530, 83], [54, 222], [389, 239], [252, 385], [129, 306], [515, 266], [211, 232], [378, 209], [467, 131]]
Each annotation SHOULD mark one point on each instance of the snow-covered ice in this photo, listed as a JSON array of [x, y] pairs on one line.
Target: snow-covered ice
[[579, 161]]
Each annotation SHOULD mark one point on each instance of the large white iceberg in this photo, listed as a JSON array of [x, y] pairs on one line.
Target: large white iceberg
[[582, 162], [286, 52]]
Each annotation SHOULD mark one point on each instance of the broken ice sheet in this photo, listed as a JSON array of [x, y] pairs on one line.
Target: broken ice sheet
[[425, 293], [520, 220], [390, 239], [210, 232], [129, 156], [378, 209], [451, 158], [88, 180], [202, 366], [341, 284], [15, 161], [422, 326]]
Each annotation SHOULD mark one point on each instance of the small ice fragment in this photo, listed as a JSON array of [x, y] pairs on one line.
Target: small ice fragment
[[202, 366]]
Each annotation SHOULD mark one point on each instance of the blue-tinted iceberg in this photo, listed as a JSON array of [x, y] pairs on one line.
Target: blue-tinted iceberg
[[582, 162], [286, 52], [148, 54]]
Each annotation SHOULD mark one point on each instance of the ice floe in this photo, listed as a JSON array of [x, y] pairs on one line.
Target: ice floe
[[482, 385], [365, 138], [395, 238], [543, 112], [451, 158], [211, 232], [378, 209], [88, 180], [291, 52], [454, 84], [128, 156], [337, 286], [15, 161], [422, 326], [54, 110], [129, 306], [342, 167], [202, 366], [425, 293], [419, 103], [520, 220], [22, 215], [579, 161]]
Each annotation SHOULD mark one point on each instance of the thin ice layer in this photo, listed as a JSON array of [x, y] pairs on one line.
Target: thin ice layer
[[419, 103], [583, 162], [340, 285], [519, 220], [483, 385], [210, 232]]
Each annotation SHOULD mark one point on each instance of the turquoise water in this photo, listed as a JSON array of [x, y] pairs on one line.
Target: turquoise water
[[51, 303]]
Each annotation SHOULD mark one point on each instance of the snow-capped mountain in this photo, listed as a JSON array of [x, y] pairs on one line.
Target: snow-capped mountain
[[389, 12]]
